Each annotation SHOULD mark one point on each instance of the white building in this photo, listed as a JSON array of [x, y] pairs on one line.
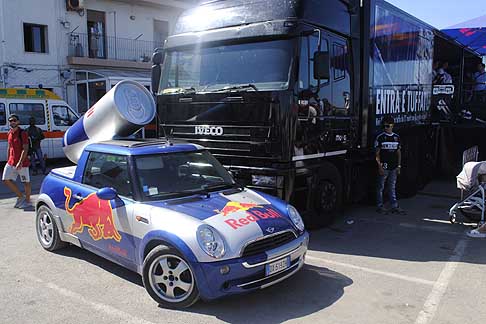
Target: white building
[[80, 49]]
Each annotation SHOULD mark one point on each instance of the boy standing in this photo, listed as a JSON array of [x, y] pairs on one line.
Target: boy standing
[[388, 158], [17, 162]]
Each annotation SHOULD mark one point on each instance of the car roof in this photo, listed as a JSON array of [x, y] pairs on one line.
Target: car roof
[[142, 146]]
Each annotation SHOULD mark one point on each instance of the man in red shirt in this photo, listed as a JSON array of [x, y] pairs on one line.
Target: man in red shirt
[[17, 162]]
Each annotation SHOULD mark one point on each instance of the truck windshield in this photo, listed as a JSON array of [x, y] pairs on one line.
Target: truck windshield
[[263, 65], [180, 174]]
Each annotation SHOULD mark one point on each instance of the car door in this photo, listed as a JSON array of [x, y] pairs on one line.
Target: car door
[[103, 225]]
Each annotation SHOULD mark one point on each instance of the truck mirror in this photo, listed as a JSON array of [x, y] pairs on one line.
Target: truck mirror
[[158, 57], [321, 65], [156, 73], [107, 193]]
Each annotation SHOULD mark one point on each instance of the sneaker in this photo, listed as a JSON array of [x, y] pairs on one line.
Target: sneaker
[[398, 210], [19, 202], [382, 210], [25, 204], [476, 234]]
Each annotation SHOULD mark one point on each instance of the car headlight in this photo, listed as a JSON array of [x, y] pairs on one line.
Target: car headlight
[[210, 241], [295, 218]]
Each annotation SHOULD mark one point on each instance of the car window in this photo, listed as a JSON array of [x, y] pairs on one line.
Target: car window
[[3, 118], [108, 170], [27, 110], [63, 116]]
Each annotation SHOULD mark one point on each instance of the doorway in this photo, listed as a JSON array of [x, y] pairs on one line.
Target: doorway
[[96, 23]]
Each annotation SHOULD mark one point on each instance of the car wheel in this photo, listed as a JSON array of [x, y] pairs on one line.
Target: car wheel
[[47, 232], [168, 278]]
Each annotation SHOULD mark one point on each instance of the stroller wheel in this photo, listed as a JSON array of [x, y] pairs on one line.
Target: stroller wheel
[[452, 218], [473, 214]]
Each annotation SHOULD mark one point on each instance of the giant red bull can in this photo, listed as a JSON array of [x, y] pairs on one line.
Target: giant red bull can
[[122, 111]]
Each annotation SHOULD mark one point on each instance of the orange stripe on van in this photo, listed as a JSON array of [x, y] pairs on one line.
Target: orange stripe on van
[[3, 136]]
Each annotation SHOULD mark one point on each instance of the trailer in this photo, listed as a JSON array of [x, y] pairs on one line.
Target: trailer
[[289, 95]]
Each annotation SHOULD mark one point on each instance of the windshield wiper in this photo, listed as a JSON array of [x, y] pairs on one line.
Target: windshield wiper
[[179, 90], [237, 87]]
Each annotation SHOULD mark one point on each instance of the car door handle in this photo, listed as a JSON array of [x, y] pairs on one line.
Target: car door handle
[[78, 197]]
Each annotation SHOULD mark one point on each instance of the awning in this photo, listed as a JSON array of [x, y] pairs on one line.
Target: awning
[[474, 38], [471, 33]]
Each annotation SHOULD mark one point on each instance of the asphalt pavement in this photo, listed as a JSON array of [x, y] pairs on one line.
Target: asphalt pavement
[[366, 268]]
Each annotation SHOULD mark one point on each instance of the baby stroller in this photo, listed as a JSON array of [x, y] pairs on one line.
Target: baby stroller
[[471, 180]]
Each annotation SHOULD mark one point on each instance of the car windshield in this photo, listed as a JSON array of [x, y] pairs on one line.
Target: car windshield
[[180, 174], [249, 66]]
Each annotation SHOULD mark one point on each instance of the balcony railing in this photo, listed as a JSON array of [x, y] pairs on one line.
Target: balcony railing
[[110, 48]]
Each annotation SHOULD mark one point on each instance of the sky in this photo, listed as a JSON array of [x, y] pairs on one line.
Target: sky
[[442, 13]]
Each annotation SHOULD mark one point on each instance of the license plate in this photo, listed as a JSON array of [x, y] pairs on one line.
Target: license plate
[[277, 266]]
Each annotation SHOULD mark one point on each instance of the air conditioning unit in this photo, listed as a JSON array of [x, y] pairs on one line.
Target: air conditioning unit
[[74, 5]]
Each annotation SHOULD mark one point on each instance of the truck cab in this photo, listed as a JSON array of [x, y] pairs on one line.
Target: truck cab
[[266, 87]]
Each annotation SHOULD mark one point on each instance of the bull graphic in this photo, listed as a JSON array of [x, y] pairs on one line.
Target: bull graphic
[[95, 214], [234, 206]]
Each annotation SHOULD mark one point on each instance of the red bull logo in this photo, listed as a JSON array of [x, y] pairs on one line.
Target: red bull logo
[[95, 214], [252, 214], [234, 206]]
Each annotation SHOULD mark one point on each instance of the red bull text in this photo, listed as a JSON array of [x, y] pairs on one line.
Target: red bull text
[[252, 214], [95, 214]]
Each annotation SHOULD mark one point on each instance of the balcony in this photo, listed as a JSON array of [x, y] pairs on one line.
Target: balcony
[[108, 51]]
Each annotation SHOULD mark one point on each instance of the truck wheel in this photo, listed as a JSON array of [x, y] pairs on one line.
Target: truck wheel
[[47, 232], [327, 198], [168, 278]]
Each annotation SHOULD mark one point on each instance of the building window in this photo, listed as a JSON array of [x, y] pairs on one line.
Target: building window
[[35, 38]]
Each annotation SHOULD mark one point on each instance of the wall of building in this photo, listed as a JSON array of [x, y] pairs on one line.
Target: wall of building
[[32, 69]]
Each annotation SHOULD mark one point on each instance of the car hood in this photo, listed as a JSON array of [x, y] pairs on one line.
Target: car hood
[[240, 217]]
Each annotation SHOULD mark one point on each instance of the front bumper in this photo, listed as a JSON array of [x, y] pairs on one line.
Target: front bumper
[[247, 274]]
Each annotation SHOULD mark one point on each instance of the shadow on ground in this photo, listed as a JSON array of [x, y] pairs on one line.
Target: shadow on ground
[[310, 290], [423, 235]]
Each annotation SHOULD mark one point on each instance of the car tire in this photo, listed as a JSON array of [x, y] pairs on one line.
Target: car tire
[[168, 278], [47, 231]]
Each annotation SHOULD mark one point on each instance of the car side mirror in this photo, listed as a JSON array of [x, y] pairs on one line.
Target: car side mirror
[[321, 65], [107, 193]]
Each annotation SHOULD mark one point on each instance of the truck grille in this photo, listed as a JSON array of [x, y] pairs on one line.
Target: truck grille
[[268, 243], [248, 141]]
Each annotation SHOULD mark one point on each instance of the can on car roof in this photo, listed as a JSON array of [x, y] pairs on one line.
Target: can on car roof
[[122, 111]]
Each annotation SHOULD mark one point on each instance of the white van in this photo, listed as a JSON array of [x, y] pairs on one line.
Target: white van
[[51, 113]]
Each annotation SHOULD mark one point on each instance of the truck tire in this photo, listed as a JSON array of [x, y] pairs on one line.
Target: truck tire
[[168, 278], [47, 231], [327, 199]]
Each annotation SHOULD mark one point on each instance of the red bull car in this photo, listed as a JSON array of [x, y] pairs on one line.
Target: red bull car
[[172, 213]]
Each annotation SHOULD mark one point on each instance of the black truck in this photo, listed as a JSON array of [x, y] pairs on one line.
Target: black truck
[[289, 94]]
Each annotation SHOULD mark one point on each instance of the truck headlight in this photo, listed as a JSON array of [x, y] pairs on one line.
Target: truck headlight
[[210, 241], [267, 181], [295, 218]]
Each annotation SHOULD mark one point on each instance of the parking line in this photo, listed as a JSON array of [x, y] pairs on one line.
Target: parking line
[[109, 310], [378, 272], [438, 290]]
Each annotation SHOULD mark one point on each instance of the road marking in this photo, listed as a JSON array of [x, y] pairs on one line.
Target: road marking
[[378, 272], [109, 310], [438, 290]]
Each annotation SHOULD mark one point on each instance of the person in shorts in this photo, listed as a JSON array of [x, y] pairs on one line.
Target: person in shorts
[[388, 158], [17, 162]]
